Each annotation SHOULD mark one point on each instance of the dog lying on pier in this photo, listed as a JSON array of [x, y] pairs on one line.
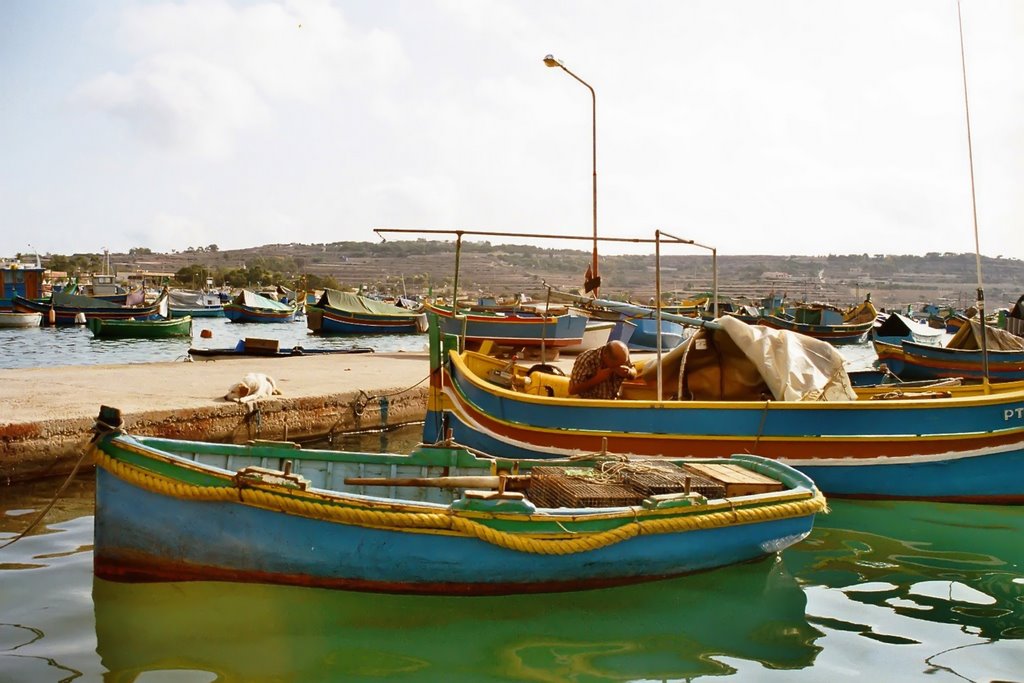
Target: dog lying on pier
[[255, 386]]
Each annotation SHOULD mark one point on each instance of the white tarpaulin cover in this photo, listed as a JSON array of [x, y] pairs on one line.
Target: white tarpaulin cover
[[794, 366]]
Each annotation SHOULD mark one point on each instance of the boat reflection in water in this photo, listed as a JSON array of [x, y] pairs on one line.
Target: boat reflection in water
[[669, 629], [901, 563]]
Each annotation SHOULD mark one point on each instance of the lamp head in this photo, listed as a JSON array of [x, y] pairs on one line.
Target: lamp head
[[550, 60]]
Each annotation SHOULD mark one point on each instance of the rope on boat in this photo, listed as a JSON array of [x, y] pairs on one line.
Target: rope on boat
[[400, 521]]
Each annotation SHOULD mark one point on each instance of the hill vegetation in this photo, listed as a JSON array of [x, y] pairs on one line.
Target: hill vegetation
[[421, 266]]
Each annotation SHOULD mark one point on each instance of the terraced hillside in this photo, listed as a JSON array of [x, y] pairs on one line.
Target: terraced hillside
[[420, 266]]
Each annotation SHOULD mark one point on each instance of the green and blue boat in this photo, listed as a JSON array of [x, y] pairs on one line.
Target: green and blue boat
[[159, 328], [440, 520]]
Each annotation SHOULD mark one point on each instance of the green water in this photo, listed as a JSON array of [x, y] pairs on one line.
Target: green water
[[889, 591]]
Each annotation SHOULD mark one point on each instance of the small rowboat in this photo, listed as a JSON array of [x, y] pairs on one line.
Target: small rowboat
[[9, 319], [440, 520], [140, 329]]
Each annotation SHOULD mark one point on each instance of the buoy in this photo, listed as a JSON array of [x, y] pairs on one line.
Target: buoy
[[52, 316], [80, 318], [206, 334]]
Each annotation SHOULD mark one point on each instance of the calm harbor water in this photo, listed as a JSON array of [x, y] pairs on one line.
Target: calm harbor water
[[75, 345], [882, 590]]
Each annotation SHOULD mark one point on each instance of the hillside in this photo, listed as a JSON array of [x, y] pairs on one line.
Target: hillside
[[424, 265]]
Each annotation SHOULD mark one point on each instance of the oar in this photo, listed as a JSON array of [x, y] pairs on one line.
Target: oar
[[511, 481]]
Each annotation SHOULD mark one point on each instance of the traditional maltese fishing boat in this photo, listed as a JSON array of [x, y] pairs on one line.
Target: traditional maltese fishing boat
[[824, 322], [512, 329], [71, 309], [337, 312], [1002, 359], [742, 388], [439, 520], [250, 307]]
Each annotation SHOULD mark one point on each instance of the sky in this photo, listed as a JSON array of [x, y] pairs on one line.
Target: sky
[[784, 127]]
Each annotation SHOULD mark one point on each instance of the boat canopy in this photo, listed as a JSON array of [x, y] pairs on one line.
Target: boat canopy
[[354, 303], [737, 361], [81, 301], [254, 300], [968, 337], [190, 298], [898, 325]]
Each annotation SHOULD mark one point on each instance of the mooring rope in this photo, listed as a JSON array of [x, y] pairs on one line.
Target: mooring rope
[[56, 497]]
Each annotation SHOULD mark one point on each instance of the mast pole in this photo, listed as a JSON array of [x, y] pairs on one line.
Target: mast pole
[[974, 206]]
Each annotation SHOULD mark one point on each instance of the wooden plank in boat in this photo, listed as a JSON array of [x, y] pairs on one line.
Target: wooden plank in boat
[[738, 481]]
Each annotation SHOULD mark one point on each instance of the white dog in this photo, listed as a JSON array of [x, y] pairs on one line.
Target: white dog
[[255, 386]]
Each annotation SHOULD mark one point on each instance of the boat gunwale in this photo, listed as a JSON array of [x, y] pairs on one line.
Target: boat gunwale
[[796, 491]]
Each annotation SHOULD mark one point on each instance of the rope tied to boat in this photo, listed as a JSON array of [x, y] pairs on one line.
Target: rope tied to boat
[[452, 521]]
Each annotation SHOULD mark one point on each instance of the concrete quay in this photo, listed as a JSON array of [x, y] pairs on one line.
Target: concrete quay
[[46, 414]]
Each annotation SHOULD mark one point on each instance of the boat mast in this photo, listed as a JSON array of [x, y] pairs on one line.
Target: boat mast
[[974, 206]]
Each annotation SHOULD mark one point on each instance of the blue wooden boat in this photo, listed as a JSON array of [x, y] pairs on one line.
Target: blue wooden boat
[[717, 401], [439, 520], [71, 309], [645, 336], [512, 329], [961, 357], [250, 307], [847, 327], [337, 312], [195, 304]]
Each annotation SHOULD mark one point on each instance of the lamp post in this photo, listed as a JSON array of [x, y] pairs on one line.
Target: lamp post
[[550, 60]]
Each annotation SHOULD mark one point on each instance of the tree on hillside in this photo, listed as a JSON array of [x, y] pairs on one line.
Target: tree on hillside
[[191, 275]]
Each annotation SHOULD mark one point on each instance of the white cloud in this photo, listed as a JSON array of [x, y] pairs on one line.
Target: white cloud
[[205, 71]]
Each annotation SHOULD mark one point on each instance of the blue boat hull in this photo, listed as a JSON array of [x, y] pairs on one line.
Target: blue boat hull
[[331, 321], [229, 541], [968, 449], [645, 336]]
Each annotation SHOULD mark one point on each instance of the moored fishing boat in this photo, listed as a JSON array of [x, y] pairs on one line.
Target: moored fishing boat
[[717, 401], [896, 328], [12, 319], [72, 309], [196, 304], [140, 329], [512, 329], [439, 520], [847, 327], [646, 336], [337, 312], [249, 307], [962, 356], [597, 333]]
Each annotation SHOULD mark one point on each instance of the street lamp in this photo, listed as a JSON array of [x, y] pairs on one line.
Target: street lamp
[[550, 60]]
